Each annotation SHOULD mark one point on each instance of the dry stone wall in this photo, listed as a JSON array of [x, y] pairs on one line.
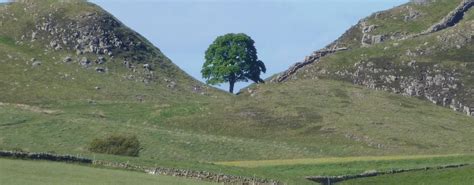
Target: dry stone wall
[[44, 156], [328, 180]]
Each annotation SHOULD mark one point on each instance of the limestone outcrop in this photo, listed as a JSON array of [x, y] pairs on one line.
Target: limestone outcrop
[[316, 56]]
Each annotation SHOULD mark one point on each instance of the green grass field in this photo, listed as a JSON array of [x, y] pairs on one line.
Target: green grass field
[[333, 160], [287, 173], [194, 134], [460, 176], [20, 172]]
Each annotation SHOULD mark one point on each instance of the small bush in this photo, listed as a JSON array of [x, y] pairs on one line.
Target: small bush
[[117, 145]]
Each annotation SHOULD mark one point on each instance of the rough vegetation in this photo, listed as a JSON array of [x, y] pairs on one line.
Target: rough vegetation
[[117, 144]]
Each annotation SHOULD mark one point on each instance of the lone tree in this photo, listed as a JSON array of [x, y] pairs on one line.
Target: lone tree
[[232, 58]]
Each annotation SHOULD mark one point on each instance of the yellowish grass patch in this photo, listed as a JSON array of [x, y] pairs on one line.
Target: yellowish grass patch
[[279, 162]]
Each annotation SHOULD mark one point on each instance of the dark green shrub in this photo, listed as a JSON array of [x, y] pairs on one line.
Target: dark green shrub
[[117, 144]]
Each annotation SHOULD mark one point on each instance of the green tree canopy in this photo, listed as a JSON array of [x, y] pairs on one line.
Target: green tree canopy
[[232, 58]]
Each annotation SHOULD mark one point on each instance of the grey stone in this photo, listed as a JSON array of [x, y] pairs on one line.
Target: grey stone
[[67, 59], [36, 63], [85, 62], [147, 67], [100, 60], [100, 69], [377, 39]]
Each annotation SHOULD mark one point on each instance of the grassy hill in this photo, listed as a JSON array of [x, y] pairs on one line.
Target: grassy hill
[[71, 50], [386, 52], [54, 101]]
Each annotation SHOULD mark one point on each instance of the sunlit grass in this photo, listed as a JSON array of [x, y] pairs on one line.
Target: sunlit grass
[[265, 163], [19, 172]]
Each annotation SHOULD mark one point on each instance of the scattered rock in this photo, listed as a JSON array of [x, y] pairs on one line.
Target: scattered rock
[[67, 59], [127, 64], [100, 69], [100, 60], [85, 62], [147, 67], [36, 63], [376, 39], [171, 85]]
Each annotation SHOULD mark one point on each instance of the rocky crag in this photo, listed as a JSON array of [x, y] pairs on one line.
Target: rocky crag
[[411, 61]]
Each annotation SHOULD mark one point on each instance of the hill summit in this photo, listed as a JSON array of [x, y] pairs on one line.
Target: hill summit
[[75, 49]]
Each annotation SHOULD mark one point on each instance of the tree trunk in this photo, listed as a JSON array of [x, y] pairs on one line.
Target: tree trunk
[[231, 87]]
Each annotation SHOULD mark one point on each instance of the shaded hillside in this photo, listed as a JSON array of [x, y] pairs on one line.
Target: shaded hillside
[[53, 49], [423, 50]]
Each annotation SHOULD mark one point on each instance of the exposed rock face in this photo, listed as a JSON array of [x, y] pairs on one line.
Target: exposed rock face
[[308, 60], [452, 18], [433, 83], [89, 33], [367, 38], [412, 14], [94, 36]]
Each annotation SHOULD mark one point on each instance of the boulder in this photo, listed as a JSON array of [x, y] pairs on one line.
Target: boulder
[[85, 62], [100, 69], [36, 63], [100, 60], [147, 67], [67, 59]]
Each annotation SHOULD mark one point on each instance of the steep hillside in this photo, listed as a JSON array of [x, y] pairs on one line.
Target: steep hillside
[[58, 50], [423, 49]]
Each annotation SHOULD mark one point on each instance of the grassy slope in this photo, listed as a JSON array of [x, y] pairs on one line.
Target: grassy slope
[[15, 172], [338, 120], [443, 54], [392, 22], [56, 80], [462, 176], [196, 133]]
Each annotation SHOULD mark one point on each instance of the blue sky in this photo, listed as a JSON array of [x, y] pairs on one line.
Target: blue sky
[[285, 31]]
